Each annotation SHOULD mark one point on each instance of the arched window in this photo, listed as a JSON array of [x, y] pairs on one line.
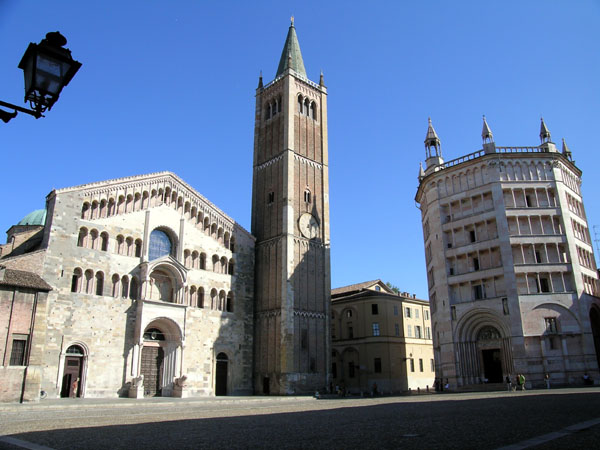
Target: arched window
[[306, 110], [111, 207], [115, 286], [203, 261], [279, 104], [103, 208], [231, 266], [223, 265], [160, 245], [153, 334], [89, 281], [299, 104], [186, 210], [120, 245], [94, 239], [94, 211], [220, 235], [99, 283], [137, 201], [213, 299], [195, 260], [121, 205], [187, 259], [138, 248], [193, 296], [313, 111], [104, 241], [206, 225], [76, 280], [82, 239], [125, 286], [226, 240], [85, 211], [145, 200], [229, 307], [129, 242], [307, 196], [129, 204], [232, 244], [222, 301], [215, 262], [134, 289], [201, 297], [213, 230]]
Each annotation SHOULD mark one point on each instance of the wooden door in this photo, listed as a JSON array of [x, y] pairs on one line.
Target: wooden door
[[71, 382], [152, 361]]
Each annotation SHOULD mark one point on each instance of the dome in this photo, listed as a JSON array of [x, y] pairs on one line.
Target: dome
[[37, 217]]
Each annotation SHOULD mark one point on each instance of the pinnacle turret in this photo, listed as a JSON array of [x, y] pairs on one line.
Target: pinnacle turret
[[432, 142], [566, 151], [544, 132], [486, 133], [291, 57]]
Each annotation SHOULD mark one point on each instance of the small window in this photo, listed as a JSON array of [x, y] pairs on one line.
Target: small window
[[475, 263], [375, 329], [538, 257], [409, 330], [160, 245], [478, 292], [395, 310], [426, 313], [397, 329], [544, 285], [416, 313], [17, 354], [271, 198], [472, 235], [378, 288], [350, 332], [418, 332], [407, 312], [505, 306], [551, 325], [154, 334], [307, 196], [377, 365], [420, 365], [452, 313], [432, 365], [374, 309], [412, 365], [304, 340], [349, 313]]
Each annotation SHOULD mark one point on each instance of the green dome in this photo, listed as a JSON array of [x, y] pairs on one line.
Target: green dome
[[37, 217]]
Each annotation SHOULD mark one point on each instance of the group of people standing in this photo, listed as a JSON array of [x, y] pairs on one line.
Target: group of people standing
[[519, 382]]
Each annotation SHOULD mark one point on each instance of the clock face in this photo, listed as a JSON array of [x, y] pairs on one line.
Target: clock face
[[309, 227]]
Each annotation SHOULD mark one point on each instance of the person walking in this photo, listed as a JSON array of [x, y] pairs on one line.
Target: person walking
[[522, 381], [547, 379], [508, 383]]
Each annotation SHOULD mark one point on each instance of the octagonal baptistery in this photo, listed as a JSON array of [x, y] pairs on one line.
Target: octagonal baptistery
[[513, 284], [152, 292]]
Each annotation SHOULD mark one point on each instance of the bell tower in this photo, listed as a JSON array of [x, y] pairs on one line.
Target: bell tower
[[290, 220]]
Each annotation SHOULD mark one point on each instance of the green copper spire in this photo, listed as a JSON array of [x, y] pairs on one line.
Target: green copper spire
[[291, 57]]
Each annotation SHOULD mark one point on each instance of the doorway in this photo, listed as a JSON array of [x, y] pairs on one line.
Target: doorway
[[221, 374], [151, 368], [492, 365], [72, 372]]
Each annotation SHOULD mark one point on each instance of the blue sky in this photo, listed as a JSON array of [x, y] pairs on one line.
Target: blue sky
[[170, 86]]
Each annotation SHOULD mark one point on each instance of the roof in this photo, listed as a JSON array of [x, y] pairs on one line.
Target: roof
[[37, 217], [291, 57], [358, 287], [21, 278]]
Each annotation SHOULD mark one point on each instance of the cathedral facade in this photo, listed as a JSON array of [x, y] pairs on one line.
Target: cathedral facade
[[144, 287], [513, 284]]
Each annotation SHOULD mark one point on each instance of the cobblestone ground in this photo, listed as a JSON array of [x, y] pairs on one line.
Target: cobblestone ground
[[461, 421]]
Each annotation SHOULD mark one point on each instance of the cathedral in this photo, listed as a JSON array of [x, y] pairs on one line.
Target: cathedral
[[140, 286]]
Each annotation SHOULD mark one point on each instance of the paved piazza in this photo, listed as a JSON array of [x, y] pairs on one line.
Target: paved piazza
[[561, 418]]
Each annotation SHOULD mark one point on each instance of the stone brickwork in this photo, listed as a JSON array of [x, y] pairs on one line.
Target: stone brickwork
[[109, 289]]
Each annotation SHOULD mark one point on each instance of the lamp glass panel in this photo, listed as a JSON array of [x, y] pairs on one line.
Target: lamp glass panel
[[49, 74]]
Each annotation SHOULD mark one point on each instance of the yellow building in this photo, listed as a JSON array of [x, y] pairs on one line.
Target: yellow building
[[380, 338]]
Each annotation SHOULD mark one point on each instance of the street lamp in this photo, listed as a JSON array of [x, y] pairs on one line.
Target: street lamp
[[48, 67]]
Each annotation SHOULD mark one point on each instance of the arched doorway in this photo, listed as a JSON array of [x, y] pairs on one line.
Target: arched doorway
[[221, 374], [595, 324], [489, 343], [72, 379], [151, 365]]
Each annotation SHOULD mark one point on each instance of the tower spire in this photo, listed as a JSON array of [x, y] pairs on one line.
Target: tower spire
[[544, 132], [486, 133], [566, 151], [432, 142], [291, 57]]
